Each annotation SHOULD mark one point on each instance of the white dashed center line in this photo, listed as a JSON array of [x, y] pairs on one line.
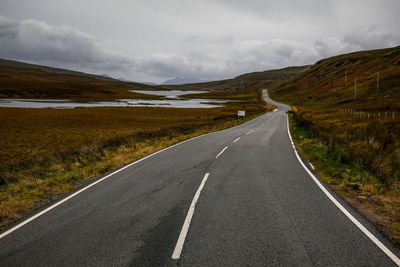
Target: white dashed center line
[[185, 228], [219, 154], [250, 132], [237, 139]]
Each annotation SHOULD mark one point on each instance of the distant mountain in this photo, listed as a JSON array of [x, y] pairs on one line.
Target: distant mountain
[[179, 80], [148, 83], [107, 76], [124, 80]]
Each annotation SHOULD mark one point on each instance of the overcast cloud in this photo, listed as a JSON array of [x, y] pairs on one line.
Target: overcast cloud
[[156, 40]]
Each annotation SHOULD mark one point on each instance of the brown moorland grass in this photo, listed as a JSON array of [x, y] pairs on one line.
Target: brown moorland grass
[[366, 192], [363, 120], [48, 152]]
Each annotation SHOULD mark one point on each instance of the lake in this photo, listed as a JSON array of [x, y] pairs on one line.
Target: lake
[[173, 101], [168, 94]]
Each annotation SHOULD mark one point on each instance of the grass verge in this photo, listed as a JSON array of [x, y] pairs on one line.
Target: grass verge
[[339, 170], [45, 153]]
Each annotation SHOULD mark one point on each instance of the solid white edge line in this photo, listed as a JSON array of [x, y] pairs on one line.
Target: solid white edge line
[[249, 132], [16, 227], [237, 139], [387, 251], [185, 228], [222, 151]]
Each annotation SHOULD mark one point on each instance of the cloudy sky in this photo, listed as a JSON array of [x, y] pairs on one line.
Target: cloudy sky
[[155, 40]]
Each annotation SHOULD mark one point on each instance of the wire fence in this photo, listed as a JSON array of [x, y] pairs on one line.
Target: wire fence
[[384, 115]]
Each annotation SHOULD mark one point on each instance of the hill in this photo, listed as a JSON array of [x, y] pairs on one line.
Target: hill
[[348, 81], [23, 80], [240, 87], [254, 80], [24, 65]]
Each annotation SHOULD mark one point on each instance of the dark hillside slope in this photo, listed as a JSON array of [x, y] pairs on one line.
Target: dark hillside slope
[[348, 81], [24, 65], [22, 80]]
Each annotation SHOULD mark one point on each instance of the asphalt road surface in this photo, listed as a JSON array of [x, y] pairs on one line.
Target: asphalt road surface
[[258, 207]]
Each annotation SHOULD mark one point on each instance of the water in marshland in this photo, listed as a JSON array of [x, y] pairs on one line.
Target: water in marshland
[[169, 94], [172, 101]]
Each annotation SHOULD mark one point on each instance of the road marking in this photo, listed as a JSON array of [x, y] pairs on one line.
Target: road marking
[[275, 110], [249, 132], [182, 236], [219, 154], [374, 239], [237, 139]]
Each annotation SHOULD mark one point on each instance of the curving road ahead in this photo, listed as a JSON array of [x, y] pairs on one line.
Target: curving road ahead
[[256, 205]]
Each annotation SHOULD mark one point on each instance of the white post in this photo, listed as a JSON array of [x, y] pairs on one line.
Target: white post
[[377, 83], [355, 90]]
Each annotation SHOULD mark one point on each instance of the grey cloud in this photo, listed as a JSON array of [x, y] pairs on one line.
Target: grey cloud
[[265, 9], [251, 56], [209, 39], [36, 41], [8, 29], [373, 37], [179, 65], [358, 39], [279, 53], [331, 46]]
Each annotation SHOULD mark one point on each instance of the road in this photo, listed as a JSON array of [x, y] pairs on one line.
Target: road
[[258, 207]]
